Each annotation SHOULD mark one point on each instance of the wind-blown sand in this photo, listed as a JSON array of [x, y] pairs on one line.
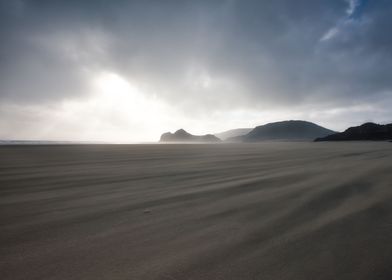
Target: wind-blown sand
[[229, 211]]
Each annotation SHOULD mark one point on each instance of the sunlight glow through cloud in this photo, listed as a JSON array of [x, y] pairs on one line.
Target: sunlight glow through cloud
[[119, 109]]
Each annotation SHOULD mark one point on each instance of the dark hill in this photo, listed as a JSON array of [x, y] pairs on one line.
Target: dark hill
[[367, 131], [285, 130], [183, 136]]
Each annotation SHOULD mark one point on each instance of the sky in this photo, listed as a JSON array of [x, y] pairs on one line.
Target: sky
[[128, 71]]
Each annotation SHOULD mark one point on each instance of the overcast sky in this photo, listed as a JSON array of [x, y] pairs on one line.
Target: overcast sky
[[127, 71]]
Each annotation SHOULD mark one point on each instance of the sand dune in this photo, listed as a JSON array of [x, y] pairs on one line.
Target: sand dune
[[213, 211]]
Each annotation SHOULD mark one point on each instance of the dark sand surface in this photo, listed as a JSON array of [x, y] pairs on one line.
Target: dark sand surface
[[229, 211]]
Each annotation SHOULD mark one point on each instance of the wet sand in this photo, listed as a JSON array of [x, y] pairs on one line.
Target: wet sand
[[216, 211]]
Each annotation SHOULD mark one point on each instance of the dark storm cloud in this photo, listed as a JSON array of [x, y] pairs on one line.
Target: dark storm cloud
[[248, 53]]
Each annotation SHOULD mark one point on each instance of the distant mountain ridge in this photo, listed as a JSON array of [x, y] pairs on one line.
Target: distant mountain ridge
[[232, 133], [366, 131], [182, 136], [293, 130]]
